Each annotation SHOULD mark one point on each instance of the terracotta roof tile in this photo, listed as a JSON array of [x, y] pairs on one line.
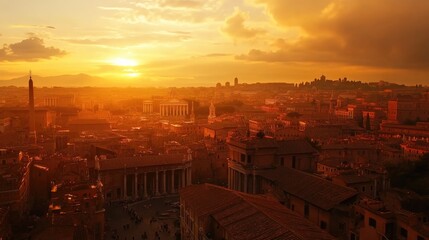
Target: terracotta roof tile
[[245, 216], [312, 189]]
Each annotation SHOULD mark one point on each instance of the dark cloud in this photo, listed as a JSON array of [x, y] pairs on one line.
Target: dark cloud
[[235, 27], [382, 33], [30, 49]]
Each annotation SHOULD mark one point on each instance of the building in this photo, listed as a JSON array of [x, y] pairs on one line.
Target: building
[[413, 151], [381, 220], [174, 108], [15, 181], [324, 203], [148, 106], [212, 212], [250, 157], [76, 212], [144, 176], [408, 108]]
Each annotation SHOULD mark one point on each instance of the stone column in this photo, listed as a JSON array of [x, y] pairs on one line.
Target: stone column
[[125, 185], [172, 181], [136, 193], [189, 176], [229, 178], [239, 181], [183, 178], [156, 183], [164, 185], [254, 182], [145, 185], [245, 183]]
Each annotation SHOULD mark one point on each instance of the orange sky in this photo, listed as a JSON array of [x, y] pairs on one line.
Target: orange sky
[[201, 42]]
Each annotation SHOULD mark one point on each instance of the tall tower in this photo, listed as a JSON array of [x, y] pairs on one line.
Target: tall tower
[[212, 112], [31, 115]]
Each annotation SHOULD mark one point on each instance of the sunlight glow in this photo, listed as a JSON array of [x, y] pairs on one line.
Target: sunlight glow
[[124, 62]]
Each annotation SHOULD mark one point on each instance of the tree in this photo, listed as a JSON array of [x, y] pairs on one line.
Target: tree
[[368, 122]]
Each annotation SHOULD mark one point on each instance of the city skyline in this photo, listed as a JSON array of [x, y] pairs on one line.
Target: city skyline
[[199, 43]]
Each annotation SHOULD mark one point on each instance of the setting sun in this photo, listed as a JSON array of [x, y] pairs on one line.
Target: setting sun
[[124, 62]]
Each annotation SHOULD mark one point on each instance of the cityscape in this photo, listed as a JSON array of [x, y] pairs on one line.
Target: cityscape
[[214, 120]]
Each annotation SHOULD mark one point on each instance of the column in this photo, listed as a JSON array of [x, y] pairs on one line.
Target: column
[[145, 185], [125, 185], [189, 176], [245, 183], [229, 178], [172, 181], [136, 194], [156, 183], [183, 178], [164, 185], [239, 181], [254, 182]]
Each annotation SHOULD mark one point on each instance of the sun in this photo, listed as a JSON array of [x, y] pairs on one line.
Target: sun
[[124, 62]]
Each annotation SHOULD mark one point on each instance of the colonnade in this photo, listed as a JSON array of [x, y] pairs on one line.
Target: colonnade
[[154, 183], [147, 107], [180, 109], [242, 181]]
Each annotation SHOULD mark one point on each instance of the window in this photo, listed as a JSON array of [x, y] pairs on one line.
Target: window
[[323, 225], [306, 210], [249, 159], [372, 222], [404, 233], [243, 158]]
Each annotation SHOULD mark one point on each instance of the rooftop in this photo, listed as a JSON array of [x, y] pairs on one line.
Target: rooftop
[[245, 216], [312, 189]]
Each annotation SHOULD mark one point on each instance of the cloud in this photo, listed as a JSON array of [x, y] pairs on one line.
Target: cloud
[[235, 27], [134, 39], [31, 26], [30, 49], [382, 33], [189, 11]]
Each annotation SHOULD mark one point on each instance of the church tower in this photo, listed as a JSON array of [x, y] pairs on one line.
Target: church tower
[[31, 115], [212, 112]]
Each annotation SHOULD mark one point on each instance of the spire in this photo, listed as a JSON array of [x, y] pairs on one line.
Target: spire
[[212, 112], [31, 112]]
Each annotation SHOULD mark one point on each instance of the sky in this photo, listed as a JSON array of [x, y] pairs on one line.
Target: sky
[[202, 42]]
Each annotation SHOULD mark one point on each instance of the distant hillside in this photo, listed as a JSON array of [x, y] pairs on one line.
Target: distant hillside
[[79, 80]]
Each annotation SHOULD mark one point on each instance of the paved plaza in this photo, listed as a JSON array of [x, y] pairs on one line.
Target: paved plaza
[[157, 218]]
